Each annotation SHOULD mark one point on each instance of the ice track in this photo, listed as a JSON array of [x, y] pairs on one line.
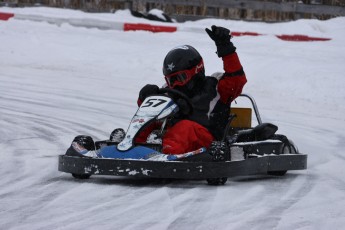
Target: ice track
[[58, 82]]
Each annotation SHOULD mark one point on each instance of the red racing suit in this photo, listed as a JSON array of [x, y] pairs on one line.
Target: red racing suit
[[211, 102]]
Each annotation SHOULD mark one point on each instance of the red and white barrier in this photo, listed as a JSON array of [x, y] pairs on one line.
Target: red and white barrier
[[142, 27], [300, 38], [148, 27], [295, 37], [5, 16]]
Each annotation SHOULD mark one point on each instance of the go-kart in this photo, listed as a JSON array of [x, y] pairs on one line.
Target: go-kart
[[243, 150]]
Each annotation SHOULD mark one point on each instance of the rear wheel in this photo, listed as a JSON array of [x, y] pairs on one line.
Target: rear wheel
[[288, 148]]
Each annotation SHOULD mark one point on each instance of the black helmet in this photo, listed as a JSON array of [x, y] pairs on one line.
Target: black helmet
[[181, 64]]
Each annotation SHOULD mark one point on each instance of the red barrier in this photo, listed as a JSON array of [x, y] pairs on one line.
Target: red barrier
[[236, 34], [5, 16], [148, 27], [295, 37], [300, 38], [169, 29]]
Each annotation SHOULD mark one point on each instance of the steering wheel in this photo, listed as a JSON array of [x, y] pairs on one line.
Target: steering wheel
[[175, 94]]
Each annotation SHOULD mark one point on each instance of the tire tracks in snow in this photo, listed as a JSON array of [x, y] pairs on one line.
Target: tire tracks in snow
[[33, 132]]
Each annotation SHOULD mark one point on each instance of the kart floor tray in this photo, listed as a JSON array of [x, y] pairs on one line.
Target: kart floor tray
[[181, 169]]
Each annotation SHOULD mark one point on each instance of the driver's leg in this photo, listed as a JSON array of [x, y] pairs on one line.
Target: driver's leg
[[186, 136]]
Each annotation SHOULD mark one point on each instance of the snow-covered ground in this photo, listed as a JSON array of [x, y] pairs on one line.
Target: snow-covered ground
[[60, 81]]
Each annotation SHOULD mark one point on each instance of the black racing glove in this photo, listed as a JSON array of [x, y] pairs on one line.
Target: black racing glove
[[221, 36], [147, 91], [184, 109]]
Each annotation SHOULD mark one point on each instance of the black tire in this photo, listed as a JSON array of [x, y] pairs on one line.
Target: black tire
[[81, 176], [217, 181], [277, 173], [288, 147]]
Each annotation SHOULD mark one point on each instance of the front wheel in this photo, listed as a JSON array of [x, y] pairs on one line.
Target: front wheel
[[217, 181], [81, 176], [277, 173]]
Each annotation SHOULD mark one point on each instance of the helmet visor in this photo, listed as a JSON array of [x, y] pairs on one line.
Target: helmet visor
[[181, 78]]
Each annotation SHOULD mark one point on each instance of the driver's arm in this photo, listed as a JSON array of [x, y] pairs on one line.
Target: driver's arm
[[231, 84]]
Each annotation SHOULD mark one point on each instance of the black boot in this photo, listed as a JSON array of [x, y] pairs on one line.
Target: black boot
[[220, 151]]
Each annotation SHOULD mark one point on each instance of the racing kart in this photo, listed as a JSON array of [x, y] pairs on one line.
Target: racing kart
[[243, 150]]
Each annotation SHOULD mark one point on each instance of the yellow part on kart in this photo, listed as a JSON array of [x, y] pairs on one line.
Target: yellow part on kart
[[243, 117]]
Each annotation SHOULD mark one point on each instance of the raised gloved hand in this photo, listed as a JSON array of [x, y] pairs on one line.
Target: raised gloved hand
[[221, 36], [147, 91]]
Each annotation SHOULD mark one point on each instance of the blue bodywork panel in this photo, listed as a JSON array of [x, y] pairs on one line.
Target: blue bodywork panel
[[138, 152], [143, 153]]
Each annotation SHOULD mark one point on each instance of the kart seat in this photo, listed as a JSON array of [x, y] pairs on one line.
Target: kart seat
[[261, 132]]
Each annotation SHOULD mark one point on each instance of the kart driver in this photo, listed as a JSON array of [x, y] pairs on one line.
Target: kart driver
[[211, 96]]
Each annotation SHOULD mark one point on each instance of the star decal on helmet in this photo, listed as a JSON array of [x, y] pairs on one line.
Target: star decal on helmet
[[171, 66], [198, 68]]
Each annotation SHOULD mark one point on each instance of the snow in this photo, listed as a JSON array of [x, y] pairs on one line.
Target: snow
[[158, 13], [60, 81]]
